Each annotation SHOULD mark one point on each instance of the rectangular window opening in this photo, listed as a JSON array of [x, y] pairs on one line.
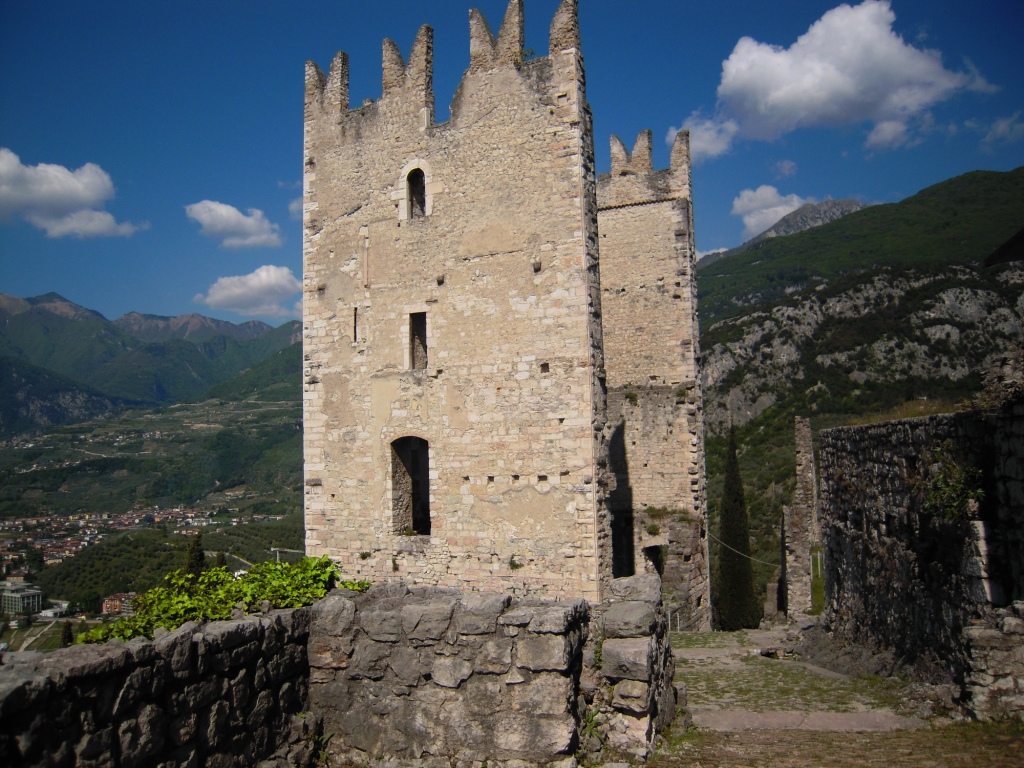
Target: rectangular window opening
[[418, 340], [355, 324]]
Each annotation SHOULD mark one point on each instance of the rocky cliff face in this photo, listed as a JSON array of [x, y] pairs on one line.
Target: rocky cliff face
[[32, 399], [917, 332]]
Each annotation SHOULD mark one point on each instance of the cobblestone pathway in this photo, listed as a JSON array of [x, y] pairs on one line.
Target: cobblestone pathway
[[753, 711]]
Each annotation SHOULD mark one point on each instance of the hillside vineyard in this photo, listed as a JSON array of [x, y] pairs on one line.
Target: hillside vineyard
[[500, 349]]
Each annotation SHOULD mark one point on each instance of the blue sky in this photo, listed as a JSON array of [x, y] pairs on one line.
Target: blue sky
[[151, 153]]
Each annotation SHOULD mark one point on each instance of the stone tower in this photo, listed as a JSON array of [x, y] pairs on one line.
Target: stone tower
[[454, 385], [649, 308], [455, 397]]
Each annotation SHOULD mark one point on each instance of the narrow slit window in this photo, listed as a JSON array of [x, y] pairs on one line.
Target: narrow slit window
[[355, 324], [418, 340], [417, 188]]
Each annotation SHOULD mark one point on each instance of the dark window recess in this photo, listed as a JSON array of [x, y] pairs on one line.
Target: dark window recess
[[417, 193], [355, 324], [418, 340], [410, 486]]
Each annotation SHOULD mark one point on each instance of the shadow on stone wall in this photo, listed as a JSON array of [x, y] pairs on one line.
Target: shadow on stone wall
[[923, 527]]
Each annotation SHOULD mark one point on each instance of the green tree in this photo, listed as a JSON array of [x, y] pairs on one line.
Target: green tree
[[736, 603], [195, 560], [220, 561]]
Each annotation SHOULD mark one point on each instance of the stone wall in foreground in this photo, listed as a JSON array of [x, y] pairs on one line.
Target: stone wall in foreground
[[432, 677], [941, 584], [222, 694], [423, 676]]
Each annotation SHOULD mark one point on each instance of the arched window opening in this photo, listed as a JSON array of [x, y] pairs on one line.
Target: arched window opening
[[410, 486], [417, 190]]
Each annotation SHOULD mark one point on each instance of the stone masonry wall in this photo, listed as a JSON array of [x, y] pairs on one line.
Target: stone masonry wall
[[428, 676], [655, 403], [941, 587], [220, 694], [500, 256], [800, 525]]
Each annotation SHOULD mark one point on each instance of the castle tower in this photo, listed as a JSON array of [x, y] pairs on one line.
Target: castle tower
[[454, 386], [649, 309]]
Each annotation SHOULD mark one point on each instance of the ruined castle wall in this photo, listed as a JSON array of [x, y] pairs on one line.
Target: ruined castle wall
[[225, 693], [938, 583], [429, 675], [651, 351], [800, 524], [503, 263]]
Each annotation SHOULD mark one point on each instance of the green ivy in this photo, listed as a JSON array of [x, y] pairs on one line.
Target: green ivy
[[949, 488], [216, 592]]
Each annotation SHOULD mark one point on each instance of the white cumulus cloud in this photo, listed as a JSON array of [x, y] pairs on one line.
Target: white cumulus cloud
[[59, 201], [263, 292], [295, 209], [760, 208], [232, 227], [850, 67], [709, 137], [1005, 130]]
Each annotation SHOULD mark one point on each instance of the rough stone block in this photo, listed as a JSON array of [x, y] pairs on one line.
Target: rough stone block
[[428, 620], [630, 618], [494, 656], [369, 659], [557, 618], [645, 587], [626, 658], [631, 696], [231, 634], [478, 614], [382, 624], [333, 615], [143, 738], [517, 616], [547, 695], [543, 652], [410, 665], [87, 660], [450, 671]]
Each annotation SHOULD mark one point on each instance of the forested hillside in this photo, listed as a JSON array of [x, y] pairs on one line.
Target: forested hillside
[[887, 312]]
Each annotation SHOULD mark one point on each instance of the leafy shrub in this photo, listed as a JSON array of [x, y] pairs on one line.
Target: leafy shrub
[[215, 593]]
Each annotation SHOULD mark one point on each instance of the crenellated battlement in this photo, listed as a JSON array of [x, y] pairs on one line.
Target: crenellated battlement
[[633, 180], [484, 52], [408, 86]]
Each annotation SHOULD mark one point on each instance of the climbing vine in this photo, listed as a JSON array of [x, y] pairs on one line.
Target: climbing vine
[[215, 593], [949, 489]]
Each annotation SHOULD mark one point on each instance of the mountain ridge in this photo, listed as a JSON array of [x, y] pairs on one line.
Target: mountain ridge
[[139, 359]]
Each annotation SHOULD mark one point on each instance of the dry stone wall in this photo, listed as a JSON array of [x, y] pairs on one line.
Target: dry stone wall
[[911, 569], [429, 676], [221, 694]]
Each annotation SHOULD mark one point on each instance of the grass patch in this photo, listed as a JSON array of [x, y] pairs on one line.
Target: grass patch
[[760, 684], [708, 639]]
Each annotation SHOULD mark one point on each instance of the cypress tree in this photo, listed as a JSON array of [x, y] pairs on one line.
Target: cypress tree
[[196, 560], [737, 605], [67, 635]]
